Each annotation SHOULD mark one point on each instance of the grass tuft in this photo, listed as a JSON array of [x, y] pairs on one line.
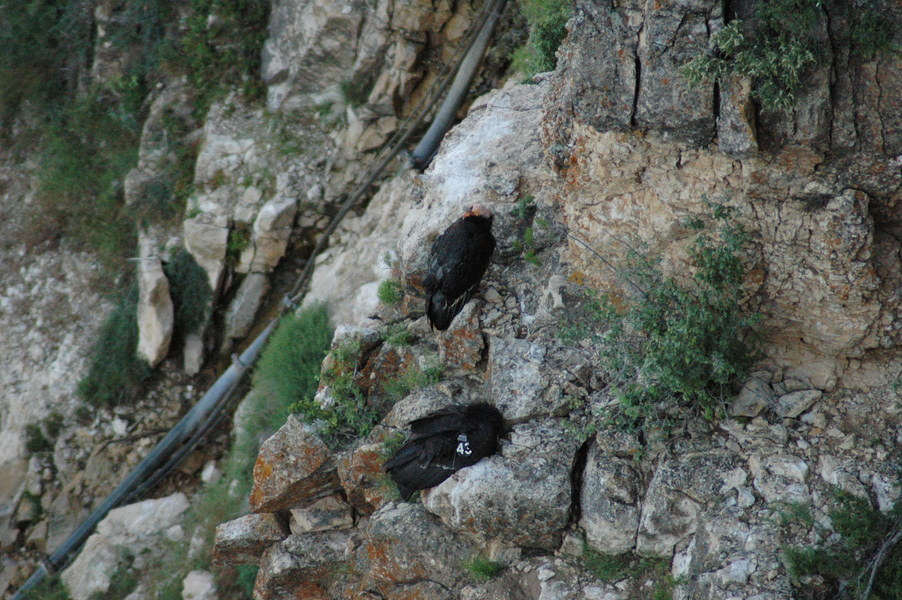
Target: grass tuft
[[483, 569]]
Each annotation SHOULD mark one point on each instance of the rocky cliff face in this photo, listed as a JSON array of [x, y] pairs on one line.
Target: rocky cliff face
[[612, 149]]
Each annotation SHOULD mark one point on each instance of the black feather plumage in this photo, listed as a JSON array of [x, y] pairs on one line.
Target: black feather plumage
[[457, 262], [443, 442]]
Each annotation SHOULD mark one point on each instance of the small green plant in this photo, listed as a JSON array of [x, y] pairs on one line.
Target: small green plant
[[116, 373], [390, 292], [795, 514], [413, 378], [547, 29], [50, 588], [525, 207], [35, 440], [397, 335], [641, 570], [776, 56], [346, 414], [868, 560], [668, 346], [41, 437], [483, 569]]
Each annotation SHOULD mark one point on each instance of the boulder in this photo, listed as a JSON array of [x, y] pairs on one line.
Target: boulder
[[126, 530], [206, 238], [686, 483], [364, 483], [239, 317], [300, 567], [294, 468], [405, 544], [155, 308], [528, 483], [243, 540], [326, 514], [199, 585], [609, 502], [271, 229]]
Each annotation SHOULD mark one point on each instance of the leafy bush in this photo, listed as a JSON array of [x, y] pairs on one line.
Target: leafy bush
[[547, 29], [776, 63], [779, 47], [870, 542], [671, 346], [115, 373], [190, 290]]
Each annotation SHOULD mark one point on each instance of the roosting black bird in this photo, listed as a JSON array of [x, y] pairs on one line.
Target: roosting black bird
[[457, 262], [443, 442]]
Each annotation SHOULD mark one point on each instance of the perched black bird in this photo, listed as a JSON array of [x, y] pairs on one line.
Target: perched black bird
[[443, 442], [459, 259]]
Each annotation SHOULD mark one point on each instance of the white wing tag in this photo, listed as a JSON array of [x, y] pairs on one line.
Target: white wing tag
[[463, 448]]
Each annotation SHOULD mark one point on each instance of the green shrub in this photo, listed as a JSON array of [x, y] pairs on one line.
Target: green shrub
[[35, 440], [85, 155], [782, 47], [116, 373], [483, 569], [670, 346], [289, 367], [866, 534], [189, 288], [227, 55], [356, 90], [547, 29], [390, 292]]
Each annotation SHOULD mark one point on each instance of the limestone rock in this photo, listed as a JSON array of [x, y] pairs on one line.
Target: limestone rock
[[736, 134], [155, 308], [461, 345], [239, 317], [670, 38], [793, 404], [300, 566], [272, 227], [199, 585], [684, 486], [132, 528], [609, 508], [405, 544], [348, 278], [310, 46], [529, 482], [780, 478], [243, 540], [360, 472], [326, 514], [207, 242], [294, 467], [755, 396], [516, 378]]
